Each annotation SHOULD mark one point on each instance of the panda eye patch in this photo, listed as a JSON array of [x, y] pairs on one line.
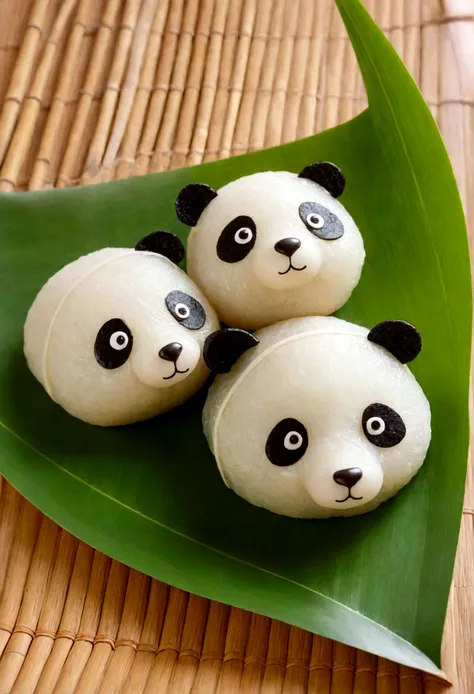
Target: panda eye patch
[[287, 442], [186, 310], [383, 426], [237, 239], [113, 344], [320, 221]]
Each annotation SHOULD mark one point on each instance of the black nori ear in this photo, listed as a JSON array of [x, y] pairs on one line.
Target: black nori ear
[[400, 338], [224, 347], [163, 242], [192, 201], [328, 176]]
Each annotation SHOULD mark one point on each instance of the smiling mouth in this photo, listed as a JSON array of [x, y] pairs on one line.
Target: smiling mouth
[[349, 496], [292, 267], [176, 371]]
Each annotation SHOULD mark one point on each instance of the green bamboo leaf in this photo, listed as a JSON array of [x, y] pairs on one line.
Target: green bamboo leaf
[[150, 495]]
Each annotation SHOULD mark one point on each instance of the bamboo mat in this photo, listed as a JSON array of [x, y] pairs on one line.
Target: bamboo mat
[[99, 89]]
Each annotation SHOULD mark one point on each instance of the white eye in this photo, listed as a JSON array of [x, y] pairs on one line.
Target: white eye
[[243, 235], [375, 426], [316, 221], [118, 340], [293, 440], [182, 311]]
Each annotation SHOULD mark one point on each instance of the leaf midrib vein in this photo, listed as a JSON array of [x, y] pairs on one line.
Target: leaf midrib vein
[[408, 160]]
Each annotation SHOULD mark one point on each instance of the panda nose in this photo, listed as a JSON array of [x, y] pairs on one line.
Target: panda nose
[[287, 246], [348, 477], [171, 352]]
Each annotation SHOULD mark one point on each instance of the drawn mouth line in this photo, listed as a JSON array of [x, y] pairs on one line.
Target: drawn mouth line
[[176, 371], [349, 496], [292, 267]]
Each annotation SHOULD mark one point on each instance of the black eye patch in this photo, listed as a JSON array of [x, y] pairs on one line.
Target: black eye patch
[[113, 344], [320, 221], [186, 310], [383, 426], [237, 239], [287, 442]]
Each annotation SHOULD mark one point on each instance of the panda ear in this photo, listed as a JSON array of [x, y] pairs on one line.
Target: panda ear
[[327, 175], [165, 243], [400, 338], [224, 347], [192, 201]]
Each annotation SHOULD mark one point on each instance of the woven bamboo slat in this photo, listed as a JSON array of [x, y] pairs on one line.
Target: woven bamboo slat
[[93, 90]]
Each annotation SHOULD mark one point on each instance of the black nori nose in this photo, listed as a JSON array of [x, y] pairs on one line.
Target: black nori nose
[[349, 477], [287, 246], [171, 352]]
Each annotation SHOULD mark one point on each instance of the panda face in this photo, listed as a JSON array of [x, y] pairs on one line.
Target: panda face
[[321, 423], [273, 245], [126, 342], [114, 343]]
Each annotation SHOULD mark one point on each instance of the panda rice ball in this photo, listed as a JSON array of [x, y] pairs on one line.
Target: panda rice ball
[[316, 417], [273, 245], [117, 335]]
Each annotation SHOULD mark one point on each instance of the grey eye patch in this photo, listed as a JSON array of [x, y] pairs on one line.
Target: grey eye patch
[[186, 310], [320, 221]]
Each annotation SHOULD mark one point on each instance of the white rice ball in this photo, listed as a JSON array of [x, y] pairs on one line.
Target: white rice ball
[[117, 335], [319, 418], [273, 245]]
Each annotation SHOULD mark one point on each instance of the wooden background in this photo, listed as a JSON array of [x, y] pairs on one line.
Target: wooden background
[[92, 90]]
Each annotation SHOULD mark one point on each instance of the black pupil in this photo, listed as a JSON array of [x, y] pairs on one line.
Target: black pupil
[[276, 447], [121, 339], [182, 311], [376, 424]]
